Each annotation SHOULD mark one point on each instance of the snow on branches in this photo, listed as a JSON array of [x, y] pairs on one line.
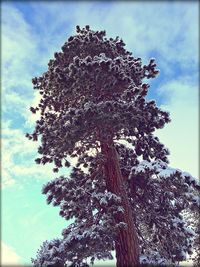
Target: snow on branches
[[93, 81], [164, 199], [94, 93]]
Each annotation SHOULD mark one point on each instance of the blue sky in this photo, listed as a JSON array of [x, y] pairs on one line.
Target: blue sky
[[31, 33]]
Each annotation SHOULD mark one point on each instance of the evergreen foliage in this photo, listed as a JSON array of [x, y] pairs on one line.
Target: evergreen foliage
[[95, 90]]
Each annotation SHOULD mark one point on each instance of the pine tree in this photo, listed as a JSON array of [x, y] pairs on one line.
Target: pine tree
[[121, 194], [196, 258]]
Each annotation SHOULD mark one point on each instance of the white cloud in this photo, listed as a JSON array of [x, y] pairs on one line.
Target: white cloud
[[166, 27], [18, 155], [19, 56], [171, 29], [9, 257], [7, 179], [31, 117], [18, 48]]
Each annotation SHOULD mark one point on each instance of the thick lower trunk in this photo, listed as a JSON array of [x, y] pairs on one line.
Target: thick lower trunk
[[126, 245]]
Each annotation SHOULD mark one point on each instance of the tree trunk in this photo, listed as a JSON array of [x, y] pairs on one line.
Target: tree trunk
[[126, 245]]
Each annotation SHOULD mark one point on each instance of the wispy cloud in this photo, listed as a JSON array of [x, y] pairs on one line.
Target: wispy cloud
[[18, 155], [19, 54], [18, 48], [9, 257], [18, 45]]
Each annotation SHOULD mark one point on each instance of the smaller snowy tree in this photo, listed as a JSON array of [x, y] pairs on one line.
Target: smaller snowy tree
[[121, 194], [196, 258]]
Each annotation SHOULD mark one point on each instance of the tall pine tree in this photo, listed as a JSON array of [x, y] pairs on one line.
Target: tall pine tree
[[121, 194]]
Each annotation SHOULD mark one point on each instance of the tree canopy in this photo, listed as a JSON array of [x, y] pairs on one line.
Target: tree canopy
[[94, 95]]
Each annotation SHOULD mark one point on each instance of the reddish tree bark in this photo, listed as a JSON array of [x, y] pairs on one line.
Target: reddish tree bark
[[126, 245]]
